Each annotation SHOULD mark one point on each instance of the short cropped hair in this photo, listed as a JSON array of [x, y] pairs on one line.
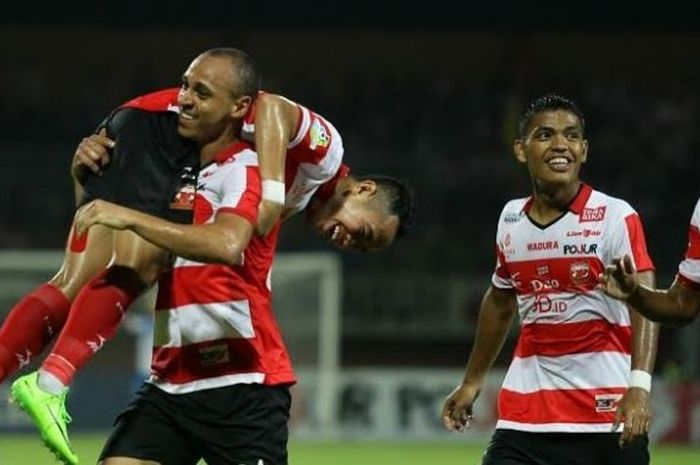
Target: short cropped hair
[[399, 199], [544, 103], [244, 68]]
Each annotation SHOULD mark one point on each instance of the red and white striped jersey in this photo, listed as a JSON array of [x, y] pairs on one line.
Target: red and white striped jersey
[[214, 324], [572, 360], [314, 155], [689, 269]]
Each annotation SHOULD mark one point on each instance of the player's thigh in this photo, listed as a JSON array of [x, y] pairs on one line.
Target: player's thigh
[[243, 424], [149, 432], [133, 251], [509, 447], [127, 461], [82, 262]]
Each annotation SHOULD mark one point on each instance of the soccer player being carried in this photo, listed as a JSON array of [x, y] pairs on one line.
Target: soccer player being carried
[[678, 305], [201, 123], [583, 360]]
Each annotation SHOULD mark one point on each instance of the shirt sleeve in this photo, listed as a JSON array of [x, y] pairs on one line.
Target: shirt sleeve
[[689, 269], [241, 192], [631, 240], [501, 277]]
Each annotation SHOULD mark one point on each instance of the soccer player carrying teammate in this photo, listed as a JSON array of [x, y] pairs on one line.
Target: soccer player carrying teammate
[[680, 304], [218, 90], [582, 362]]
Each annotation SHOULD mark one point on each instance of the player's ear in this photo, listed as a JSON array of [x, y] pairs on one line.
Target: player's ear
[[366, 187], [519, 150], [241, 106], [584, 152]]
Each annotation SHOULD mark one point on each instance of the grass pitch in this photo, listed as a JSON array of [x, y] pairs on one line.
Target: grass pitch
[[28, 450]]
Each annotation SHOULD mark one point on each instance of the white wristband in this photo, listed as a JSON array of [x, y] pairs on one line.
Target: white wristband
[[273, 191], [640, 379]]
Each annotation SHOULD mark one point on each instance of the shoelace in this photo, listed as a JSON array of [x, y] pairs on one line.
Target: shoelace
[[62, 410]]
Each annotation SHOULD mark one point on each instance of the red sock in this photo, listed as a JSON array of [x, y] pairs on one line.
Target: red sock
[[30, 326], [94, 319]]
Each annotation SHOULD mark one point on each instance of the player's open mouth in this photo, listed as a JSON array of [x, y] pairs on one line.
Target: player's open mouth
[[185, 118], [337, 234], [559, 163]]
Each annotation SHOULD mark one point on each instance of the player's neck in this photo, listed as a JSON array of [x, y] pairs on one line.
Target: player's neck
[[209, 151], [549, 202]]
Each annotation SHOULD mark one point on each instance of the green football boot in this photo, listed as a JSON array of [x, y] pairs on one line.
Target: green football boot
[[48, 412]]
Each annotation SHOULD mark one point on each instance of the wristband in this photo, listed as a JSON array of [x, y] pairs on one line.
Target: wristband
[[640, 379], [273, 191]]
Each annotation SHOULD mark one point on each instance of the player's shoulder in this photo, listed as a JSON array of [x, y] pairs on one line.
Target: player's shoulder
[[696, 214], [616, 206], [138, 113], [240, 154], [513, 211]]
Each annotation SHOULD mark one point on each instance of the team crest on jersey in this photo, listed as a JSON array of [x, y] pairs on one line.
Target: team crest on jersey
[[592, 214], [580, 272], [318, 134], [185, 192], [606, 402]]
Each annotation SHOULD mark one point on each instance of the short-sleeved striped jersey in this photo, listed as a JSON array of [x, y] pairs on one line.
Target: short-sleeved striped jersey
[[572, 360], [214, 324], [689, 269]]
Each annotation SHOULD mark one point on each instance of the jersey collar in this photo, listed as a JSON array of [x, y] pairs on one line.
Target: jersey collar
[[577, 204], [232, 150]]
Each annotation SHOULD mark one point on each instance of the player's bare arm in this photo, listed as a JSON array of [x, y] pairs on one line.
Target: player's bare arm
[[678, 305], [635, 407], [222, 241], [275, 121], [498, 308]]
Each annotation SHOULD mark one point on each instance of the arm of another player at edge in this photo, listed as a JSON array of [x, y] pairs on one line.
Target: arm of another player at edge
[[645, 333], [275, 120], [678, 306], [498, 308]]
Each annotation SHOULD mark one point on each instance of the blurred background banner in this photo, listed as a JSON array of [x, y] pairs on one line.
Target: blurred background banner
[[430, 95]]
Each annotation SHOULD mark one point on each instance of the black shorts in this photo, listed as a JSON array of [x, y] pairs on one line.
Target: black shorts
[[151, 168], [509, 447], [239, 424]]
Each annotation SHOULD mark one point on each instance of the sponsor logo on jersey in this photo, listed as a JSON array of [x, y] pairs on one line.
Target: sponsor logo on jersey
[[544, 284], [213, 355], [513, 217], [584, 233], [580, 249], [607, 402], [580, 272], [592, 214], [544, 305], [543, 245], [507, 240], [542, 270], [318, 134]]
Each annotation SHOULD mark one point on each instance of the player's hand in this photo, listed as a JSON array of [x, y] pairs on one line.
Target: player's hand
[[268, 215], [635, 410], [457, 411], [619, 280], [91, 155], [101, 212]]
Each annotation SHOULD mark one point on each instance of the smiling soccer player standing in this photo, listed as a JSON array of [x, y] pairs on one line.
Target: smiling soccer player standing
[[583, 360]]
